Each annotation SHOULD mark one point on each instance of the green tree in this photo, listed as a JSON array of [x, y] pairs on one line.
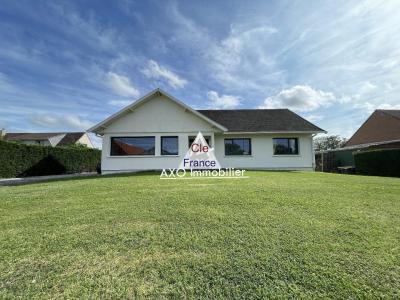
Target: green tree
[[328, 142]]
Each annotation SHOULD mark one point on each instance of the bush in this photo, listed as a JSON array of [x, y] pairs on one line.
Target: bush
[[20, 160], [384, 162]]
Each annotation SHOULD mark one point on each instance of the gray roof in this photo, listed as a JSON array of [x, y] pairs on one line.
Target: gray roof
[[28, 136], [393, 112], [267, 120], [69, 138]]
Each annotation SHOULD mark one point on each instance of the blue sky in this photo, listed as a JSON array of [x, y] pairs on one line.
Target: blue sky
[[66, 65]]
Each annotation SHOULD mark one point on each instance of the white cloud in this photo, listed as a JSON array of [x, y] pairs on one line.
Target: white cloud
[[122, 85], [313, 117], [60, 121], [223, 101], [367, 87], [300, 98], [120, 103], [88, 29], [370, 107], [154, 70], [233, 59]]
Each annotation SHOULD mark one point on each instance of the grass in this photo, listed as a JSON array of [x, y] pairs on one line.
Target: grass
[[275, 234]]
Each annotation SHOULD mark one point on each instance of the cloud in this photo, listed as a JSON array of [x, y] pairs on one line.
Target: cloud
[[300, 98], [223, 101], [60, 121], [367, 87], [233, 59], [122, 85], [87, 28], [313, 117], [154, 70], [120, 103], [5, 85], [3, 124], [370, 107]]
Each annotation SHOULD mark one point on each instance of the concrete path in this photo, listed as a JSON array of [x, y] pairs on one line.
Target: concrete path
[[25, 180]]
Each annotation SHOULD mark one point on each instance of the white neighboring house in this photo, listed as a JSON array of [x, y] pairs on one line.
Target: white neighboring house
[[60, 139], [156, 131]]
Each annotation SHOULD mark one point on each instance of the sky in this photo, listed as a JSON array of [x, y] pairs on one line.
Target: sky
[[67, 65]]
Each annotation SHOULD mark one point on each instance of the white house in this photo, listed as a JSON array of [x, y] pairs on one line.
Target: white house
[[156, 131]]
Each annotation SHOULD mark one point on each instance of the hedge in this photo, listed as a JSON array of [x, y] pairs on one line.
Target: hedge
[[383, 162], [20, 160]]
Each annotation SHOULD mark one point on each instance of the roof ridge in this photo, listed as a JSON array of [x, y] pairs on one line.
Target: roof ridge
[[385, 111]]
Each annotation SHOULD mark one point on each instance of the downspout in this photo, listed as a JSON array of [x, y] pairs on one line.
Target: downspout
[[313, 152]]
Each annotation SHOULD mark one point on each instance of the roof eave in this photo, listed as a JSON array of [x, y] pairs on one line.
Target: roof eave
[[276, 131], [141, 100]]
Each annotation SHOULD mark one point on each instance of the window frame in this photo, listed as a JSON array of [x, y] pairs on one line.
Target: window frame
[[286, 138], [133, 155], [232, 139], [161, 144]]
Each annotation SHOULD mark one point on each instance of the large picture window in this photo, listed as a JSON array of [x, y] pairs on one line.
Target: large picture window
[[143, 145], [286, 146], [237, 146], [169, 145]]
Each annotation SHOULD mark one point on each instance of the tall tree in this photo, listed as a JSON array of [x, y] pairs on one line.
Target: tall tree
[[328, 142]]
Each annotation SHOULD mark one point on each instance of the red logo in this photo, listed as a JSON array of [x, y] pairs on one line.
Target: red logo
[[199, 148]]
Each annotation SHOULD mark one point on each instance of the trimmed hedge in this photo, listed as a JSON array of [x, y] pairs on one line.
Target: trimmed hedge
[[383, 162], [20, 160]]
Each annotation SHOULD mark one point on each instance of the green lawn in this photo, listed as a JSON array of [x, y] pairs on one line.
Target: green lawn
[[273, 234]]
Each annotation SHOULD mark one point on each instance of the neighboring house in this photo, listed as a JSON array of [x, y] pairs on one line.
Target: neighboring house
[[156, 131], [60, 139], [380, 130]]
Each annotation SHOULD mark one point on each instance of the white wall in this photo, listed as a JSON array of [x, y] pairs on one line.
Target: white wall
[[156, 117], [262, 156], [112, 164], [85, 140], [161, 116]]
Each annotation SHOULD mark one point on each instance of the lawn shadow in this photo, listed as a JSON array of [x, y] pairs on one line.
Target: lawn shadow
[[48, 165]]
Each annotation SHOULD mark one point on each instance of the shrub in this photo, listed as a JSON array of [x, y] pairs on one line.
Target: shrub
[[20, 160], [384, 162]]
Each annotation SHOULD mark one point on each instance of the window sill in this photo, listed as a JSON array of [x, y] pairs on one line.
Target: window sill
[[286, 155], [229, 156]]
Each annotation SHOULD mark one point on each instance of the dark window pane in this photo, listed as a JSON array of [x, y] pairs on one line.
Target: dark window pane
[[237, 147], [132, 145], [293, 146], [192, 138], [169, 145], [285, 146]]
